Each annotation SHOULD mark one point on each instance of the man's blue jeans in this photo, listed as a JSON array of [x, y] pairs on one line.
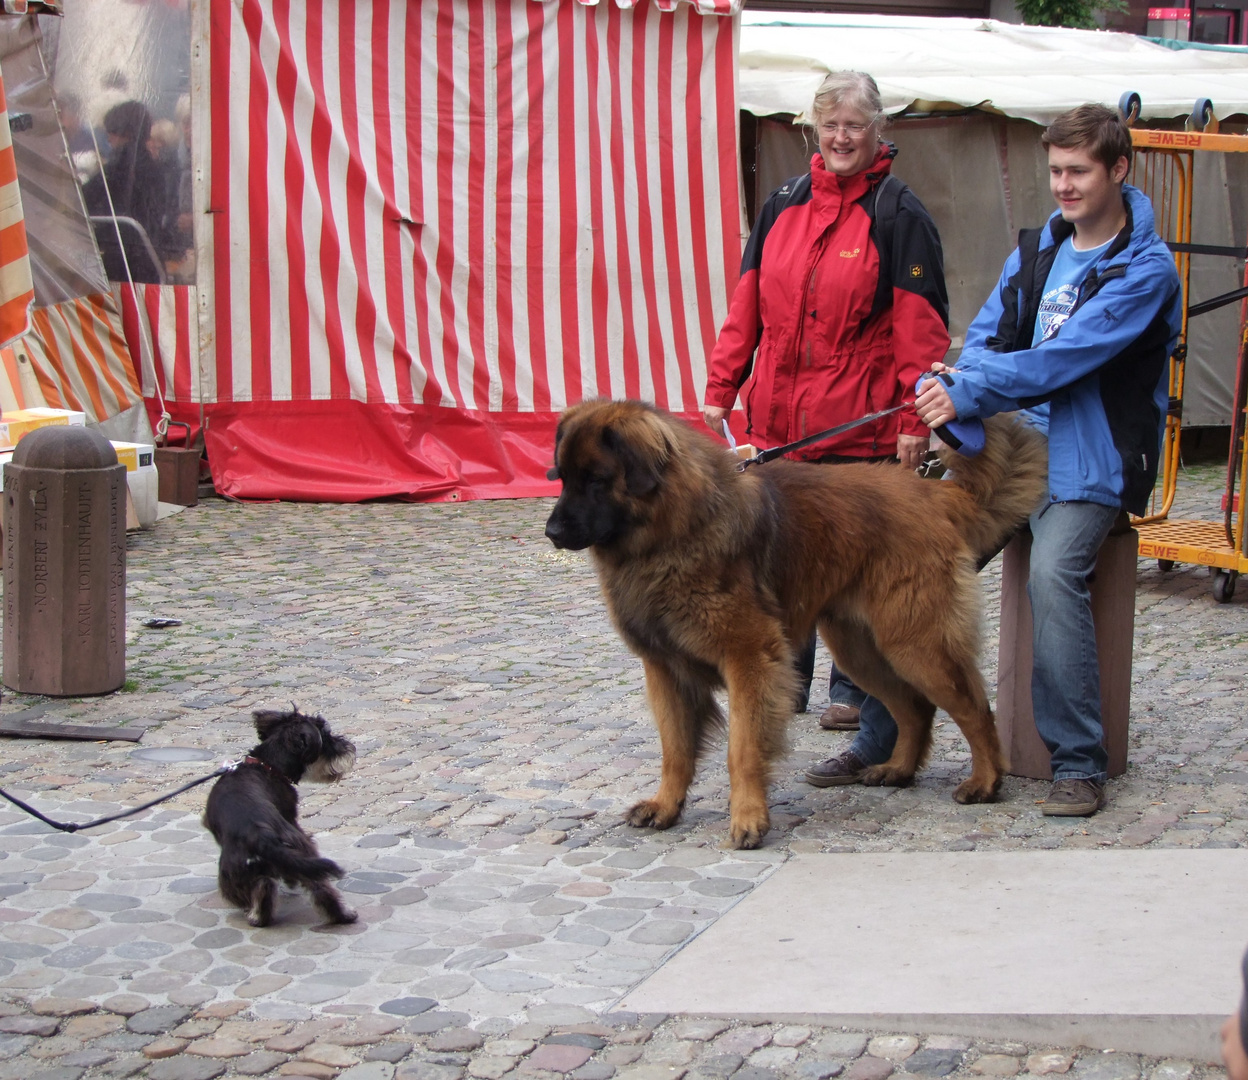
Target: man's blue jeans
[[877, 732], [1065, 678], [1065, 681], [840, 690]]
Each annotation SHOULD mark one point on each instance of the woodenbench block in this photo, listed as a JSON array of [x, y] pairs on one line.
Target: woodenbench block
[[1113, 615]]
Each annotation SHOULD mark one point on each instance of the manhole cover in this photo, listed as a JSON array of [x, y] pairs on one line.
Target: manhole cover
[[165, 754]]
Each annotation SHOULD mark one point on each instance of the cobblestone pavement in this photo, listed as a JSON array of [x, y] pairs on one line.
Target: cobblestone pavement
[[502, 730]]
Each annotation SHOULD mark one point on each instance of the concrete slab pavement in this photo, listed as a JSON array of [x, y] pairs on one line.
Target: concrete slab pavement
[[1125, 950]]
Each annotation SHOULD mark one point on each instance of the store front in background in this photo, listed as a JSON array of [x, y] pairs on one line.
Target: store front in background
[[1222, 23]]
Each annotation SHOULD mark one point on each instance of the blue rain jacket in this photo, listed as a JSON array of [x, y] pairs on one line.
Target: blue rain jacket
[[1100, 383]]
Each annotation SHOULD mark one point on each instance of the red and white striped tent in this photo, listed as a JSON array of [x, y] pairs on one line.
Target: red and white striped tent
[[427, 228], [17, 293], [65, 348]]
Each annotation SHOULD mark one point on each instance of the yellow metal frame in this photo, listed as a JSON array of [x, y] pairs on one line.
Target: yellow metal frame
[[1164, 174], [1162, 168]]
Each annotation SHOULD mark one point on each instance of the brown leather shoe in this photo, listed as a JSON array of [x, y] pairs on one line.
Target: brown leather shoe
[[838, 717], [1073, 798], [846, 768]]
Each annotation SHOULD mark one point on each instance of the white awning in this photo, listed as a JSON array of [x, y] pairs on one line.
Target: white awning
[[937, 64]]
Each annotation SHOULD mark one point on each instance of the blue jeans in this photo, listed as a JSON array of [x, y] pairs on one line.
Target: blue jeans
[[843, 692], [840, 690], [1065, 679], [877, 732]]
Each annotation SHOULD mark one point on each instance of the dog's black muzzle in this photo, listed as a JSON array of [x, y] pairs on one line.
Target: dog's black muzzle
[[564, 534]]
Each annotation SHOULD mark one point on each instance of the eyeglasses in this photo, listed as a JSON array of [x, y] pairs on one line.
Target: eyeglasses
[[852, 131]]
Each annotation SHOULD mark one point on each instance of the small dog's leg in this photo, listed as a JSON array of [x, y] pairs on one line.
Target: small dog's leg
[[262, 896], [328, 900]]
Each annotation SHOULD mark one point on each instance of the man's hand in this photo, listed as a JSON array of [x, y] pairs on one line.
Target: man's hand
[[911, 448], [933, 405], [714, 417], [1234, 1053]]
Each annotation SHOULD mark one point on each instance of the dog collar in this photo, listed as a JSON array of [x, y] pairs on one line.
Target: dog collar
[[250, 760]]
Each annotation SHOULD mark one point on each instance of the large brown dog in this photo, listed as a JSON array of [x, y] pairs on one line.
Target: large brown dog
[[713, 575]]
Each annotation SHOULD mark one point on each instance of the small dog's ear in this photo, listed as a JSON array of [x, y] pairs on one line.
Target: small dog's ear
[[310, 741], [268, 721]]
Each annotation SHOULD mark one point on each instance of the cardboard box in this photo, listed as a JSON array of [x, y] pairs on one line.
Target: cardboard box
[[141, 478], [136, 456], [19, 422]]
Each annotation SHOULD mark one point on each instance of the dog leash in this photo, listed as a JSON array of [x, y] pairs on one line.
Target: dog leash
[[764, 456], [73, 826], [964, 436]]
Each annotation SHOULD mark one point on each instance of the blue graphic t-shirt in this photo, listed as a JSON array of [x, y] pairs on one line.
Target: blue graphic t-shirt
[[1061, 287]]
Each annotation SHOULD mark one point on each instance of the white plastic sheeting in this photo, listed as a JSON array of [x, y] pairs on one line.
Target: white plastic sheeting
[[1031, 72]]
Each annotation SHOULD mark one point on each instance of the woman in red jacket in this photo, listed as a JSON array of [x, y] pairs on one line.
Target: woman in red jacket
[[840, 307]]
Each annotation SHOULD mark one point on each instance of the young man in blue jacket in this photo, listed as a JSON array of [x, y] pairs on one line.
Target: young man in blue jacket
[[1079, 333]]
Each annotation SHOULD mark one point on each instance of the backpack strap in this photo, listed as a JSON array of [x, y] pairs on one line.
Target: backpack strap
[[881, 204], [1033, 272]]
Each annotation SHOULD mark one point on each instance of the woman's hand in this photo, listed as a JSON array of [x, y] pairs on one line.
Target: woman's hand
[[714, 417], [910, 450]]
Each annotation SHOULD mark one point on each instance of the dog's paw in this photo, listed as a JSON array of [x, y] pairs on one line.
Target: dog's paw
[[744, 836], [650, 813], [973, 791], [886, 776], [259, 918], [346, 916]]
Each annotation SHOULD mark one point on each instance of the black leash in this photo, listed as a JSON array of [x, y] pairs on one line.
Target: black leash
[[71, 826], [764, 456]]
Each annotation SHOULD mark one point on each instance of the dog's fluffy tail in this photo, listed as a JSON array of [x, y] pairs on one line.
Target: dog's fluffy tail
[[293, 865], [1006, 482]]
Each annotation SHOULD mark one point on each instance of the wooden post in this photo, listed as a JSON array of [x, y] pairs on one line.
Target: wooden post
[[1113, 615]]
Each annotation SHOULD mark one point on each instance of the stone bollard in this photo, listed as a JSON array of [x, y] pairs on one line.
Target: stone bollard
[[64, 564]]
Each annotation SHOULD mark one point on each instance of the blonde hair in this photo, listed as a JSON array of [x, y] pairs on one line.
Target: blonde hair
[[853, 88]]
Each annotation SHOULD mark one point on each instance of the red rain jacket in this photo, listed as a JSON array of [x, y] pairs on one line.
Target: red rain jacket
[[814, 334]]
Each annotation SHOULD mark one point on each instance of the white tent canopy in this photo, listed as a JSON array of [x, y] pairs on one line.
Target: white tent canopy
[[1030, 72]]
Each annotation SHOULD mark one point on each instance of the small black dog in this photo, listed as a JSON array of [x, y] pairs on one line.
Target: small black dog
[[252, 812]]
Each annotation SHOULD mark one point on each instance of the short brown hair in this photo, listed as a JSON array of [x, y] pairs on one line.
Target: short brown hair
[[1101, 131]]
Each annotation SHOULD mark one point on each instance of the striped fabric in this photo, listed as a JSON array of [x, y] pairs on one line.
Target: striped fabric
[[497, 207], [16, 392], [80, 357], [163, 337], [17, 292], [702, 7], [11, 388]]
